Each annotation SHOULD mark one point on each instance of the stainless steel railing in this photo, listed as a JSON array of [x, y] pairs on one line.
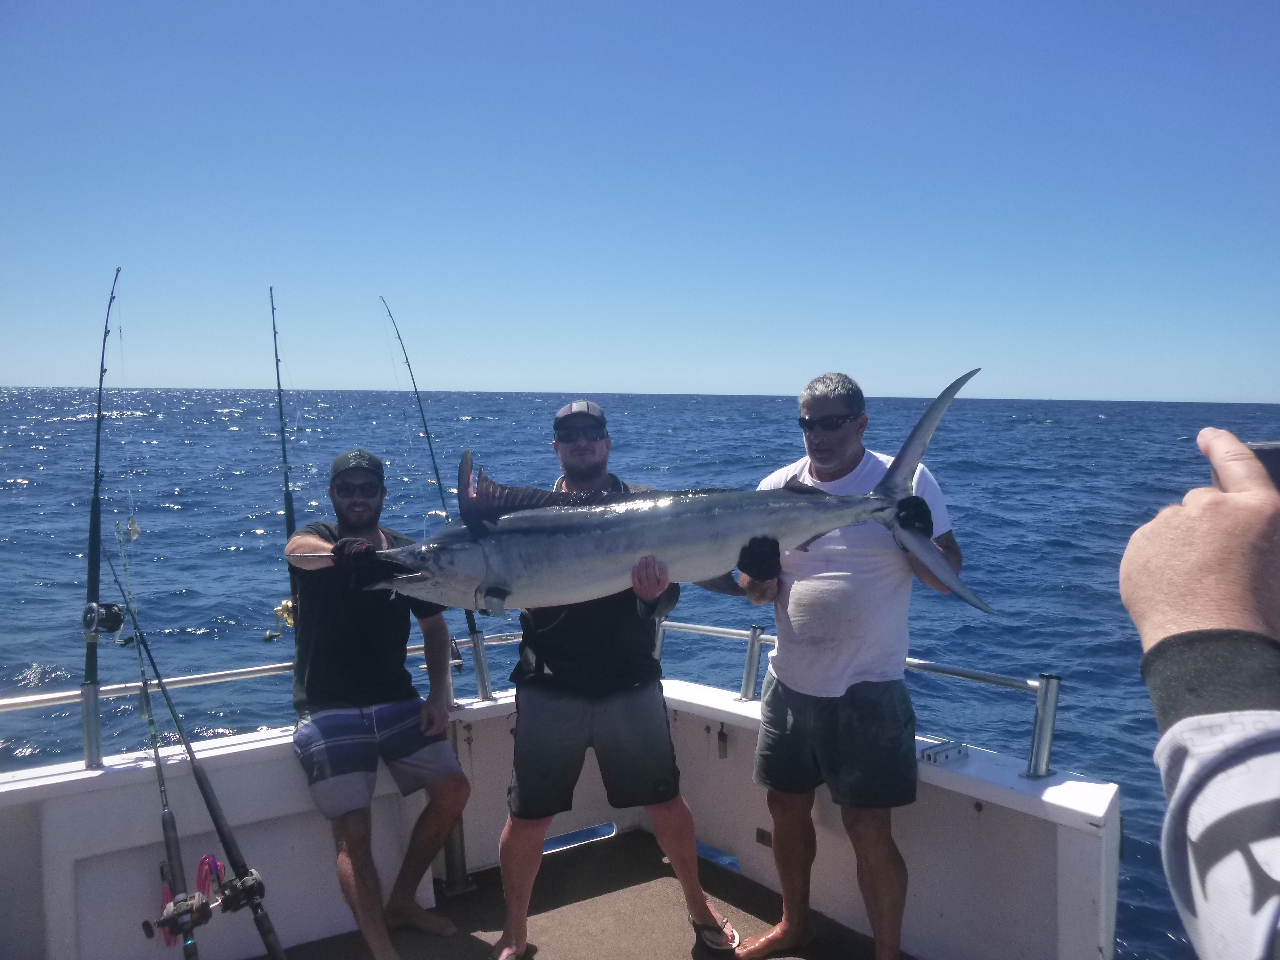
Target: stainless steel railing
[[1042, 729], [1045, 688]]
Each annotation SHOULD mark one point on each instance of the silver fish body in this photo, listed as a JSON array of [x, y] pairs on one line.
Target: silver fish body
[[559, 555], [520, 548]]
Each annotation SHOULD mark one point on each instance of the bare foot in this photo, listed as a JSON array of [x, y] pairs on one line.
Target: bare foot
[[721, 936], [507, 949], [776, 940], [415, 916]]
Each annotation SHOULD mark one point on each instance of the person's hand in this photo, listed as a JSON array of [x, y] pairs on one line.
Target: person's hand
[[1214, 561], [649, 579], [759, 592], [353, 553], [760, 559], [914, 514], [435, 714]]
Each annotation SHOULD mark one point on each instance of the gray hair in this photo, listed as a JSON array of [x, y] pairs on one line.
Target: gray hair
[[836, 386]]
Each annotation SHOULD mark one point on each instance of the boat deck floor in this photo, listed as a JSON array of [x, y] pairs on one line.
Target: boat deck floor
[[612, 899]]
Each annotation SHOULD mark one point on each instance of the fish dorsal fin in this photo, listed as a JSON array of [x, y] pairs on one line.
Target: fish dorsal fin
[[796, 485], [483, 500]]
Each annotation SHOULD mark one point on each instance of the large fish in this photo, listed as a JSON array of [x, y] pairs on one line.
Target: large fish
[[518, 547]]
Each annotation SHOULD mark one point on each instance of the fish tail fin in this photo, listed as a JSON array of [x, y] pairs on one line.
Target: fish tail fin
[[923, 549], [897, 483]]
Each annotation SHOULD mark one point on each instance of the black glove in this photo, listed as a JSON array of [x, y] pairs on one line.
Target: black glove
[[760, 559], [914, 514], [352, 553]]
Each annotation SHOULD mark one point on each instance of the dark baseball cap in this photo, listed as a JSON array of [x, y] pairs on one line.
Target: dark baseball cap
[[580, 408], [355, 459]]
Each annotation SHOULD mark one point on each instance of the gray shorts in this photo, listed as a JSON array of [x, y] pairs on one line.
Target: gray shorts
[[861, 744], [339, 751], [628, 731]]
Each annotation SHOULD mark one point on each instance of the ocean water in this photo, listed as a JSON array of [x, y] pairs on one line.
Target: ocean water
[[1043, 496]]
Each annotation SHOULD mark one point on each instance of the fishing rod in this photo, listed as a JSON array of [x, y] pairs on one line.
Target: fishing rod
[[287, 610], [183, 912], [477, 638], [247, 888], [96, 618], [284, 447]]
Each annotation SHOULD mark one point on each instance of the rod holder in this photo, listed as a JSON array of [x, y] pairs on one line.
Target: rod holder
[[1042, 729], [92, 723], [751, 671], [483, 689], [456, 878]]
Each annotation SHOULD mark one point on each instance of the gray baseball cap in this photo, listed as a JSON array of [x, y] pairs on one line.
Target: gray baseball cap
[[580, 408], [355, 459]]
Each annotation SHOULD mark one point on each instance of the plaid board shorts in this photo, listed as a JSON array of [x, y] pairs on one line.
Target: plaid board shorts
[[339, 751]]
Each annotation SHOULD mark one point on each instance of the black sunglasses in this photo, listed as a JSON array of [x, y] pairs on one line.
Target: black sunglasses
[[826, 424], [572, 434], [367, 490]]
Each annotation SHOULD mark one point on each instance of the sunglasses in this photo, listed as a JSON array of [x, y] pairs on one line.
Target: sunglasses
[[348, 490], [826, 424], [573, 434]]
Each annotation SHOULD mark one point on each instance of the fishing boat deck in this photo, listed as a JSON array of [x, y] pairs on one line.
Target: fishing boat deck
[[612, 899]]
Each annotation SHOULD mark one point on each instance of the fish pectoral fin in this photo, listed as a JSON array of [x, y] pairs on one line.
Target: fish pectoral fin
[[924, 550], [804, 547], [725, 583], [494, 601], [796, 485]]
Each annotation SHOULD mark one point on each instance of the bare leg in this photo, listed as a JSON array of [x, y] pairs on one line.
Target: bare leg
[[358, 879], [795, 845], [520, 852], [448, 797], [673, 826], [882, 875]]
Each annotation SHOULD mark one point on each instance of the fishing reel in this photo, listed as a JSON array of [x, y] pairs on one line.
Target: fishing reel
[[100, 618], [227, 895], [180, 913], [286, 616]]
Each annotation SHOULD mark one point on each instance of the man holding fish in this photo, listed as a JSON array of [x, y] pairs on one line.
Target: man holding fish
[[356, 701], [835, 707], [588, 676]]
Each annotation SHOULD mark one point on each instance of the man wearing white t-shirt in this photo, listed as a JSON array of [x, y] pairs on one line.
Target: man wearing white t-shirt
[[835, 708]]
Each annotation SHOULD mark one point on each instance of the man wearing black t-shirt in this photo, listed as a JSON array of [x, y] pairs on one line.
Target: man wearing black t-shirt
[[588, 676], [356, 701]]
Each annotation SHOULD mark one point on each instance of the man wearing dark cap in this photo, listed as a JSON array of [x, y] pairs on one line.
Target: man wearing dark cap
[[356, 701], [588, 677]]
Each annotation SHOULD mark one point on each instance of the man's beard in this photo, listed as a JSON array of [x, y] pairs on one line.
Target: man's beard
[[350, 526], [581, 474]]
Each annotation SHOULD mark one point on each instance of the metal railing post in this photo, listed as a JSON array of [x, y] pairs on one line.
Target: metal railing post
[[660, 640], [483, 689], [456, 878], [1042, 729], [751, 671]]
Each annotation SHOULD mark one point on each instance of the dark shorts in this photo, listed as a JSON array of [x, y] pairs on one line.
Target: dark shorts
[[861, 744], [628, 731], [339, 751]]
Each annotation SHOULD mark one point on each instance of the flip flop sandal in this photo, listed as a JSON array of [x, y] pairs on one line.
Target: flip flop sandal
[[711, 935]]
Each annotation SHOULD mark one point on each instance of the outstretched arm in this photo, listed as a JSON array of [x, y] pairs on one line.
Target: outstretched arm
[[300, 545], [1202, 583]]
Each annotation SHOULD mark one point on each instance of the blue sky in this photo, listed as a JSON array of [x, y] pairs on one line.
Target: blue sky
[[724, 197]]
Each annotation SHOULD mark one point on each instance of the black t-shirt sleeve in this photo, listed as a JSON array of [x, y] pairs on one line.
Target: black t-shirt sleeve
[[324, 529], [1212, 671], [422, 609]]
